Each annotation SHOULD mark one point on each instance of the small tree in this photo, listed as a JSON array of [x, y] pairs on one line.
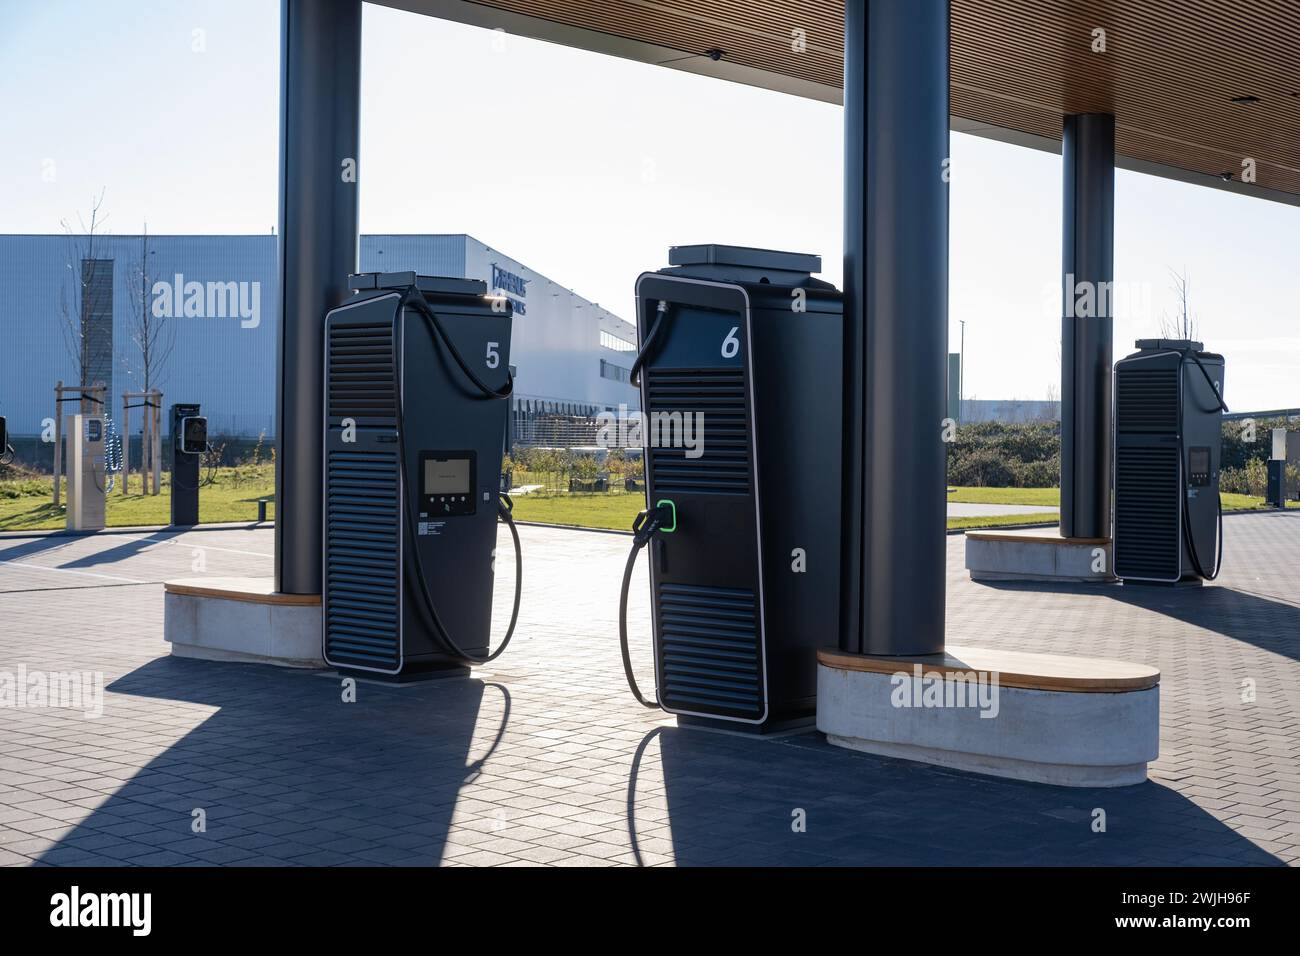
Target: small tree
[[84, 246], [154, 336], [1181, 325], [584, 468]]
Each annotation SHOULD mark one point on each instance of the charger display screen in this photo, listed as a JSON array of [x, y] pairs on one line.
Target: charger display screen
[[446, 476], [1198, 466], [447, 481], [194, 434]]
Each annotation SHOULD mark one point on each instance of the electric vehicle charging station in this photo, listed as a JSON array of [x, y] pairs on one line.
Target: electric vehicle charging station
[[87, 472], [189, 431], [1168, 446], [416, 373], [741, 349], [1276, 487]]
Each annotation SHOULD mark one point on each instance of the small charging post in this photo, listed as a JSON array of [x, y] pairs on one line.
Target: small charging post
[[189, 431]]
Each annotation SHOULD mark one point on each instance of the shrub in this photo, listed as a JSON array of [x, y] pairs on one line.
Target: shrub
[[1237, 451], [983, 467], [1251, 479], [1003, 454], [584, 467], [1037, 474], [24, 488]]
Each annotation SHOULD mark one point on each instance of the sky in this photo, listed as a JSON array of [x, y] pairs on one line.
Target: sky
[[587, 168]]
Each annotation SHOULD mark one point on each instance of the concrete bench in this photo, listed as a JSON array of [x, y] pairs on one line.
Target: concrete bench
[[1036, 554], [1070, 721], [242, 619]]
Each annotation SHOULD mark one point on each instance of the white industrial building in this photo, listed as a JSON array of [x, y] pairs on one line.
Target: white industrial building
[[571, 356]]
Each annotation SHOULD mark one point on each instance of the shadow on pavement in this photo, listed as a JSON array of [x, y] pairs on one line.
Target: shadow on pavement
[[287, 773], [730, 800], [1254, 619]]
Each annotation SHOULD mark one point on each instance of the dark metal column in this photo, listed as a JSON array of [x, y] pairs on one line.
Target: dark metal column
[[320, 92], [896, 315], [1087, 333]]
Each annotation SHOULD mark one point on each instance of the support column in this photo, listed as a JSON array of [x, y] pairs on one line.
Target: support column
[[896, 318], [320, 92], [1087, 333]]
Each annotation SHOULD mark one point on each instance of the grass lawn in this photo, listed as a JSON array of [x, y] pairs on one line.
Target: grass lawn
[[616, 511], [26, 506], [601, 510], [1051, 497], [999, 521], [1048, 497]]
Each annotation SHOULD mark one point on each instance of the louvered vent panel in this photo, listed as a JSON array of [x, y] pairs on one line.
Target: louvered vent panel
[[1147, 502], [360, 378], [709, 655], [722, 434], [362, 559], [1146, 400]]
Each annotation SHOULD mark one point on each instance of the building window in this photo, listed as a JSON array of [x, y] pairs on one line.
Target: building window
[[614, 372], [611, 341]]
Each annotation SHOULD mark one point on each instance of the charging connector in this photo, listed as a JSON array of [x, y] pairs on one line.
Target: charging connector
[[661, 518]]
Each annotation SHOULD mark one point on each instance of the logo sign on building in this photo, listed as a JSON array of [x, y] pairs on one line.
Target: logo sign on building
[[513, 286]]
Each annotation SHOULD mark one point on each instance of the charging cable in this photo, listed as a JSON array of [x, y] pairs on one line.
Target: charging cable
[[646, 525], [651, 341], [649, 522], [208, 479], [112, 454], [1187, 514], [426, 607], [1188, 538]]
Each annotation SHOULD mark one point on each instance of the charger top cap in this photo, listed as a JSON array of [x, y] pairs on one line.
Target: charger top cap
[[431, 285], [1178, 345], [747, 256]]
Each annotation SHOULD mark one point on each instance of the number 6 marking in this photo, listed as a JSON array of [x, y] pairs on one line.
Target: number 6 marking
[[731, 344]]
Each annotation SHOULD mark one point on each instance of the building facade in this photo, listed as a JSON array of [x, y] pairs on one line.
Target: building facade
[[213, 323]]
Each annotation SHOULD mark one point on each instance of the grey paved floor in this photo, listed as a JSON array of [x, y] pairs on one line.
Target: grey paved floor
[[545, 758]]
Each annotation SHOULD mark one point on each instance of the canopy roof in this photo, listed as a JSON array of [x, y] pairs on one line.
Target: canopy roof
[[1197, 86]]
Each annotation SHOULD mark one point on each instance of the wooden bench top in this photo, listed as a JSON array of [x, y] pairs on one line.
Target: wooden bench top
[[248, 590], [1037, 535], [1014, 668]]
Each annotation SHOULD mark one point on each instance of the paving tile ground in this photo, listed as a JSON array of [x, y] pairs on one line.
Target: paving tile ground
[[544, 759]]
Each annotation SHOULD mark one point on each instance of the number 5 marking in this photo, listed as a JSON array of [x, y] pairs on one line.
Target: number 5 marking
[[493, 357]]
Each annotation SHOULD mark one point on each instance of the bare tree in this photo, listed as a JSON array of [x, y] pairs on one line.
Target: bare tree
[[154, 336], [87, 295], [1182, 325]]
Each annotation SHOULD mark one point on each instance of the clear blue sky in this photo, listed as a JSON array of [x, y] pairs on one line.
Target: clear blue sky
[[115, 94]]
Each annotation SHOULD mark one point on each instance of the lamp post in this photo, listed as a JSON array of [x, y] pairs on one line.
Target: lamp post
[[961, 370]]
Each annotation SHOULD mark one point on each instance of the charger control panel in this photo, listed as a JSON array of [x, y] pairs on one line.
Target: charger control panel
[[1198, 467], [447, 482]]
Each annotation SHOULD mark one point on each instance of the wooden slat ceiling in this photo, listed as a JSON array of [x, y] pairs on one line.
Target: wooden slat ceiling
[[1169, 73]]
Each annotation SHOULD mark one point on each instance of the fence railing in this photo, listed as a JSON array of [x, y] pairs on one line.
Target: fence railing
[[566, 432]]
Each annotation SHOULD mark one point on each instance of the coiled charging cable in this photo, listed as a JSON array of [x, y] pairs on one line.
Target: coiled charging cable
[[413, 298], [1188, 539], [646, 526], [648, 522]]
